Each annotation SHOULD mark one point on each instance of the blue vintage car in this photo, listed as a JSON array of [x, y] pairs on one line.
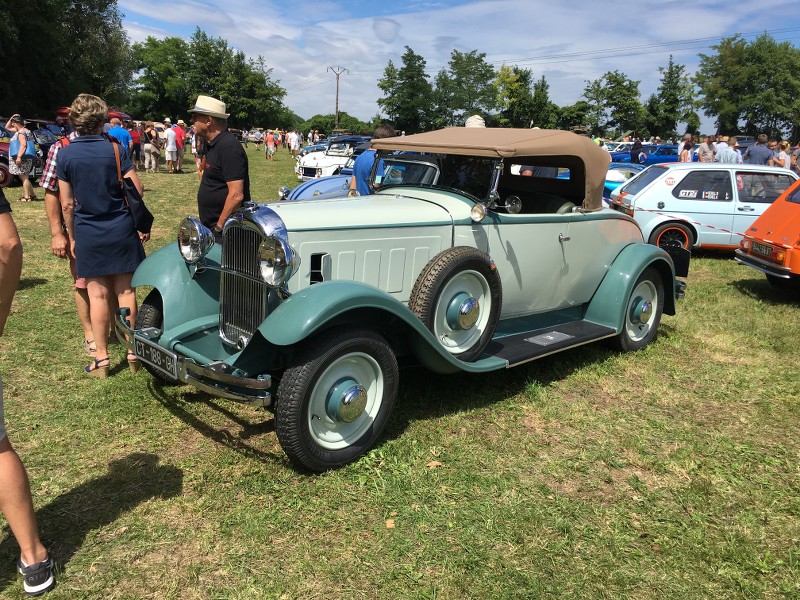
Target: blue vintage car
[[455, 263]]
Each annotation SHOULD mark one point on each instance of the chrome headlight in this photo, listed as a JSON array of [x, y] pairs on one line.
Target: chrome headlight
[[275, 261], [194, 240]]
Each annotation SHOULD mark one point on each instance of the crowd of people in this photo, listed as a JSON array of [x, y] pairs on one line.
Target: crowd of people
[[92, 226], [725, 149]]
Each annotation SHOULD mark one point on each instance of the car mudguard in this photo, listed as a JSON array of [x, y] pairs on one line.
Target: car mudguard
[[334, 302], [607, 306], [186, 295]]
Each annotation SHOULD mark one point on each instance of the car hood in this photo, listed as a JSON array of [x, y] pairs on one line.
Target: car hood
[[319, 159], [361, 212]]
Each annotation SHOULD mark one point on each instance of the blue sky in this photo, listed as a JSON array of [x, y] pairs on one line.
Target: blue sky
[[567, 42]]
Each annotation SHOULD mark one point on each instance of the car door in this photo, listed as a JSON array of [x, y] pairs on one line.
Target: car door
[[755, 191], [705, 197], [530, 256]]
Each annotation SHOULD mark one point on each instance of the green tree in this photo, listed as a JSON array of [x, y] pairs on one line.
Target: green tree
[[407, 91], [58, 49], [544, 113], [673, 102], [722, 81], [575, 115], [173, 73], [514, 97], [614, 104], [470, 88]]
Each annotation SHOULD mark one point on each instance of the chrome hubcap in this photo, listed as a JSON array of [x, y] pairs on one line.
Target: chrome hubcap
[[463, 312], [347, 401]]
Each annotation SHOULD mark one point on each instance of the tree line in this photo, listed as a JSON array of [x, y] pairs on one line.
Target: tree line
[[747, 87], [60, 48]]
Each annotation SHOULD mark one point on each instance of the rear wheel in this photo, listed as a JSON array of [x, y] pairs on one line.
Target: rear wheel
[[670, 234], [643, 313], [458, 297]]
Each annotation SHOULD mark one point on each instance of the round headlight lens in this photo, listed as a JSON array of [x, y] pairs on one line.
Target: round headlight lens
[[194, 239], [272, 261]]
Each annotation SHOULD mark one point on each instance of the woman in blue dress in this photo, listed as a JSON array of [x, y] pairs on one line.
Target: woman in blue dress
[[105, 243]]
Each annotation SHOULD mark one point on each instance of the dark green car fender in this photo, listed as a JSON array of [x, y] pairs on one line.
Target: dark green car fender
[[607, 306], [339, 302], [184, 296]]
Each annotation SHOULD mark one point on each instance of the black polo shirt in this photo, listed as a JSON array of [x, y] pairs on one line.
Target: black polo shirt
[[225, 161]]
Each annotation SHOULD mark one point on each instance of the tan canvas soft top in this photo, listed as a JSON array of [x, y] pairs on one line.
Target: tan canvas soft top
[[563, 147]]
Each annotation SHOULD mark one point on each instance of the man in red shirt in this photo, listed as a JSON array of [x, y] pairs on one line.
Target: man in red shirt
[[180, 141]]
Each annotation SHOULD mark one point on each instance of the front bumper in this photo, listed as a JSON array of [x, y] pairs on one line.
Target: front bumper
[[218, 379], [765, 266]]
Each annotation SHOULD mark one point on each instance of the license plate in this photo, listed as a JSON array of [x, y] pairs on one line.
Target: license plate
[[156, 356], [762, 249]]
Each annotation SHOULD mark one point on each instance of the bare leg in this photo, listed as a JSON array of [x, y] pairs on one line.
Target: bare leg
[[82, 304], [16, 503], [99, 292], [10, 265], [27, 186], [126, 294]]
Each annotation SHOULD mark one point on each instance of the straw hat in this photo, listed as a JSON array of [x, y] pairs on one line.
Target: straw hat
[[206, 105]]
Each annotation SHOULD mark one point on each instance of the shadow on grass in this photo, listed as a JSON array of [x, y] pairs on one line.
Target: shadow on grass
[[69, 518], [27, 283], [761, 289], [220, 436], [425, 395]]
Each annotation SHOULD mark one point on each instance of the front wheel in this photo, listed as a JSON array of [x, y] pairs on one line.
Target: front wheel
[[642, 313], [150, 314], [335, 398]]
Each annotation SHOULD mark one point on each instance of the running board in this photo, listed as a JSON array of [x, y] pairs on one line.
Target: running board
[[530, 345]]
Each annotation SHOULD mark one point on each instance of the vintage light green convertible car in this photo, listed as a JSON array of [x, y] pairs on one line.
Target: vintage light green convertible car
[[461, 260]]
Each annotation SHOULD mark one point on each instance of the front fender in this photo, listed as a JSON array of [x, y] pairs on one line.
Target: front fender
[[607, 306], [185, 297], [322, 304]]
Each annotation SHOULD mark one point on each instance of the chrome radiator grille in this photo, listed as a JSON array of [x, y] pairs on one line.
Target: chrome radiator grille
[[243, 296]]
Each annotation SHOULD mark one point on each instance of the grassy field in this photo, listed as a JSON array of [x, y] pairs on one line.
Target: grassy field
[[668, 473]]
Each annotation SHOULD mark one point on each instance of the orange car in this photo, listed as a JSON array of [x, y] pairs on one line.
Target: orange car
[[772, 243]]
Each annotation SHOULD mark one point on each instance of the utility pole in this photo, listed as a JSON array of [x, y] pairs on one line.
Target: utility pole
[[337, 71]]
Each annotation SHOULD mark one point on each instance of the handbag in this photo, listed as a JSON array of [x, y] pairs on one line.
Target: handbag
[[142, 217], [30, 145]]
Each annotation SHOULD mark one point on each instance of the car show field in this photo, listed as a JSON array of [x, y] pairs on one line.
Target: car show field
[[667, 472]]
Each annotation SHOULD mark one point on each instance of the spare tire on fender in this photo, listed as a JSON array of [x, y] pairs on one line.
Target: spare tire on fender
[[458, 296]]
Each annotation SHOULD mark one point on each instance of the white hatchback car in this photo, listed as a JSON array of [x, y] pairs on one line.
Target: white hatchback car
[[700, 204]]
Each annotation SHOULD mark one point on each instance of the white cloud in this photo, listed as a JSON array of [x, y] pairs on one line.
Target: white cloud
[[569, 42]]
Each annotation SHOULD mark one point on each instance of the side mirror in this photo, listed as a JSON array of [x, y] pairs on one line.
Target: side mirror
[[283, 192]]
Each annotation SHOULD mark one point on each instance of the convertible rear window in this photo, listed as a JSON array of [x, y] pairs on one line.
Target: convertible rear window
[[643, 179]]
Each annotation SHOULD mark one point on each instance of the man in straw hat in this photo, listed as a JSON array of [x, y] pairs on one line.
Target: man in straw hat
[[225, 184]]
